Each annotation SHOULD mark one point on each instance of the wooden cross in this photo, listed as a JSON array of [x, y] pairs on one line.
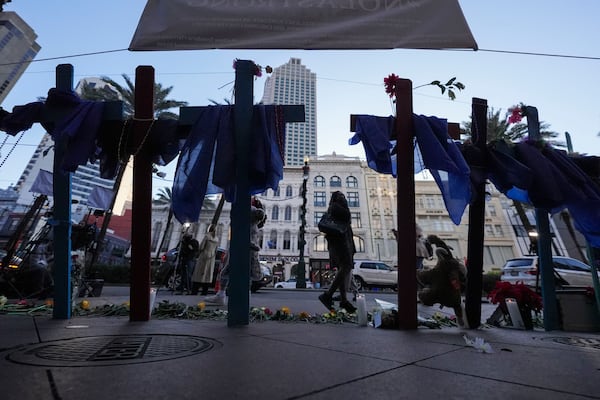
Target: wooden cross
[[238, 305], [406, 239], [62, 198]]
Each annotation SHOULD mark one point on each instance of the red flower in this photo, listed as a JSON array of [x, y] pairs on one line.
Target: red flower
[[516, 115], [257, 68], [525, 296], [390, 84]]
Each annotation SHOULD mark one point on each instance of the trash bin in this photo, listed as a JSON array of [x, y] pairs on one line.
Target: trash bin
[[578, 310]]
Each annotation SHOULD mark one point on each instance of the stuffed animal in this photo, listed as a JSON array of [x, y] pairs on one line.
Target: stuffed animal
[[443, 283]]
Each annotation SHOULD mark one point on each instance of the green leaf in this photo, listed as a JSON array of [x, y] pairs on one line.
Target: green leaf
[[450, 82], [451, 94], [459, 86], [443, 88], [437, 83]]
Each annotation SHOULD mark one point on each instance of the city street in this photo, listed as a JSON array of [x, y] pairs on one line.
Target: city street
[[297, 300]]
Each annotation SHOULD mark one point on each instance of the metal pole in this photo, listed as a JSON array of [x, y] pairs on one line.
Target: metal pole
[[301, 268]]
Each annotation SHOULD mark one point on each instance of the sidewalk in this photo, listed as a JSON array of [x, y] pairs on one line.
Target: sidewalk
[[110, 357]]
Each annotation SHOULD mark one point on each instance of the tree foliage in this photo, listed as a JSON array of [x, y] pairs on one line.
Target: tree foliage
[[498, 128], [113, 91]]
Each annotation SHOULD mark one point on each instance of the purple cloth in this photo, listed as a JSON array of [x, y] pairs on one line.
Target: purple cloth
[[440, 155], [446, 163], [207, 161], [22, 118], [375, 133]]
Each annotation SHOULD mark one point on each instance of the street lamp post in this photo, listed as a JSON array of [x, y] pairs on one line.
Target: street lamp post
[[301, 268]]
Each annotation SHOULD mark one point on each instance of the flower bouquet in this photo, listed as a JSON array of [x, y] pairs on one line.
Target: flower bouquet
[[526, 299]]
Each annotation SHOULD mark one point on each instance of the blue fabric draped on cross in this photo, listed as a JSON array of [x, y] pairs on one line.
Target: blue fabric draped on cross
[[439, 153], [207, 161]]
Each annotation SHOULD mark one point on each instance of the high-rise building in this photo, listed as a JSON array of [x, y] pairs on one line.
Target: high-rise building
[[293, 84], [17, 47]]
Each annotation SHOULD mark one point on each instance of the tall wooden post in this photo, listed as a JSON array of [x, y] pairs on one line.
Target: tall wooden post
[[239, 260], [546, 266], [476, 224], [407, 243], [142, 195], [62, 214]]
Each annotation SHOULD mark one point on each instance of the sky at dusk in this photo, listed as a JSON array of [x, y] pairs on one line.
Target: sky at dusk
[[564, 89]]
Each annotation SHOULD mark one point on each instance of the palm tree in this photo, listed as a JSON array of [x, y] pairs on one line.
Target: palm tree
[[113, 91], [500, 129]]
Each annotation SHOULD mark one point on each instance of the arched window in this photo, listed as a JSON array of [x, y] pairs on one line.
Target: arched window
[[359, 243], [288, 191], [275, 213], [288, 213], [272, 243], [351, 182], [320, 243], [287, 242], [319, 181], [335, 181], [276, 192]]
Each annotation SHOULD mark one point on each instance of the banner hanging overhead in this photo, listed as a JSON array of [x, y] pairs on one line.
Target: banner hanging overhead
[[302, 24]]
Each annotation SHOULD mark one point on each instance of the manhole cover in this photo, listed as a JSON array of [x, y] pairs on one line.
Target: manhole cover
[[591, 343], [94, 351]]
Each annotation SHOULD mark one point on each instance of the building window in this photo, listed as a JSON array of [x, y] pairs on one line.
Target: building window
[[288, 213], [286, 240], [353, 199], [351, 182], [335, 181], [275, 213], [355, 217], [276, 192], [320, 199], [288, 191], [319, 181], [272, 243], [359, 243], [318, 215], [320, 243]]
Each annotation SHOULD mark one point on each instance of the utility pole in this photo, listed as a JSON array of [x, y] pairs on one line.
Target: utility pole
[[301, 268]]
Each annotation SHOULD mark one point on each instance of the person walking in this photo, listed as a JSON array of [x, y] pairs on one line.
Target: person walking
[[423, 251], [257, 221], [423, 248], [205, 264], [341, 253], [188, 251]]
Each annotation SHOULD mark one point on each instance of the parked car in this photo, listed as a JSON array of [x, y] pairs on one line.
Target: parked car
[[267, 277], [164, 273], [165, 276], [567, 271], [374, 274], [291, 284]]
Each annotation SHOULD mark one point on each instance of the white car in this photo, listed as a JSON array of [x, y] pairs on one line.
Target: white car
[[291, 284], [374, 274], [567, 271]]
